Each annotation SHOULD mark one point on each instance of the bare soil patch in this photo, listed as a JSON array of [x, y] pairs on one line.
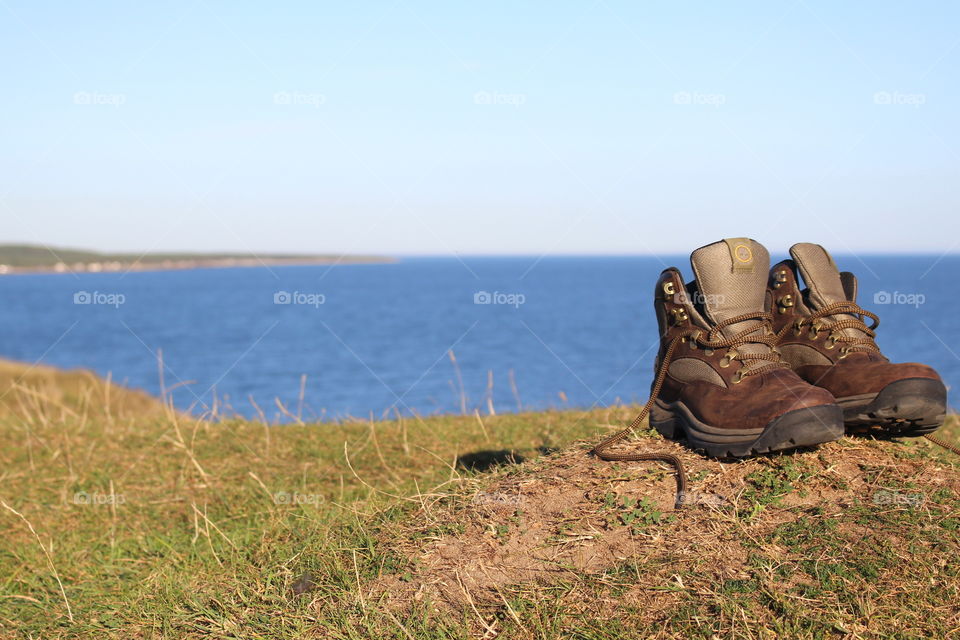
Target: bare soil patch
[[569, 519]]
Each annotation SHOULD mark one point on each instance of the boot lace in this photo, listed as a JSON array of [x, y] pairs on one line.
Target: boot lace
[[711, 339], [848, 344], [749, 335]]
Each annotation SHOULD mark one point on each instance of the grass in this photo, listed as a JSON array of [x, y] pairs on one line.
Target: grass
[[158, 525]]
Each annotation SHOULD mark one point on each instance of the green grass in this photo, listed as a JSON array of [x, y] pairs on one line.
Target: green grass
[[161, 526]]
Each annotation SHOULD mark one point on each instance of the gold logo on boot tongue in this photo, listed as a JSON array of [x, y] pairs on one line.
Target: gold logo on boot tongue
[[741, 255]]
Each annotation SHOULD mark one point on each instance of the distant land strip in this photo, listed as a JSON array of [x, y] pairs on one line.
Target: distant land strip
[[19, 258]]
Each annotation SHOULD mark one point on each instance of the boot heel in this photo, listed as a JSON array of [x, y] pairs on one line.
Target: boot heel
[[666, 422]]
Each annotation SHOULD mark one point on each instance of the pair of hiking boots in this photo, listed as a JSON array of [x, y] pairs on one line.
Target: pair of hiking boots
[[751, 363]]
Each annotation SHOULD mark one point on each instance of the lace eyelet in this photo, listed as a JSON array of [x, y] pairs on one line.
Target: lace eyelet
[[785, 303], [738, 376], [708, 351]]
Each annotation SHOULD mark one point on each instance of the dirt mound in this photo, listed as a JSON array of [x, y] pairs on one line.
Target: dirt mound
[[567, 518]]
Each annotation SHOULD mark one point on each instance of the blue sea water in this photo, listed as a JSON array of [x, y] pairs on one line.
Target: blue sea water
[[577, 331]]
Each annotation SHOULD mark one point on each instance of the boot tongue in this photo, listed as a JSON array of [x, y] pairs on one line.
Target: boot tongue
[[731, 280], [731, 277], [820, 274], [824, 285]]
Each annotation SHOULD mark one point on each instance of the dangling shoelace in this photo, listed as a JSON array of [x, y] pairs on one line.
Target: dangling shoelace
[[711, 341]]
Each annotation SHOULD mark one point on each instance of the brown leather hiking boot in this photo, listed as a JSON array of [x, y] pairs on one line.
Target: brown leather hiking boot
[[720, 383], [823, 335]]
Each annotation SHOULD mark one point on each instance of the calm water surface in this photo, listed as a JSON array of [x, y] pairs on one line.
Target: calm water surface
[[372, 338]]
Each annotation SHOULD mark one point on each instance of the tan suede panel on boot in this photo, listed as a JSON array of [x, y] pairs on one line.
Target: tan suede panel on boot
[[693, 369]]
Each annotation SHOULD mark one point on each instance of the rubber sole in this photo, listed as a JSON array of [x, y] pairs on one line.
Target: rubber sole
[[911, 407], [798, 428]]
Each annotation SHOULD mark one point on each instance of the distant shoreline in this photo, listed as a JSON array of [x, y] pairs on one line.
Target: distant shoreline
[[23, 259], [185, 265]]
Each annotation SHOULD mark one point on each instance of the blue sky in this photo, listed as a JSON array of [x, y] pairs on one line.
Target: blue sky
[[479, 128]]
